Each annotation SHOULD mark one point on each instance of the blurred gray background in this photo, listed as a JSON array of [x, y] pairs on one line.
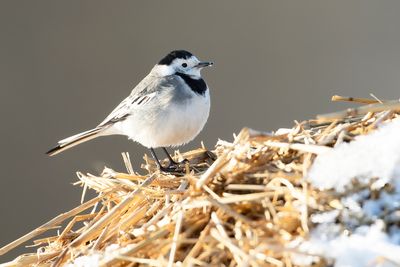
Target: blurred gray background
[[64, 65]]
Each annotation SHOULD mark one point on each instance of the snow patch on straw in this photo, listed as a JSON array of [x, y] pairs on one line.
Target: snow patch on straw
[[362, 230], [368, 156], [368, 246], [95, 258]]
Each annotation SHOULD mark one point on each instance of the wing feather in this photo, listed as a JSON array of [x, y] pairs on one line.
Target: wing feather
[[126, 107], [144, 94]]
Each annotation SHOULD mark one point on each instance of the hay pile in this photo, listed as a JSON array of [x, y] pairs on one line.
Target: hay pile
[[244, 204]]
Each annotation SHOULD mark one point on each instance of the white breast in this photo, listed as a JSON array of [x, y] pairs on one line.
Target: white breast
[[177, 125]]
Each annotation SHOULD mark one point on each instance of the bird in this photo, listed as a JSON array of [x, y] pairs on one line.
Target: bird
[[168, 108]]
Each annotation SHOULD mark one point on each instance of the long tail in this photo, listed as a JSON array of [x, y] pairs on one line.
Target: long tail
[[74, 140]]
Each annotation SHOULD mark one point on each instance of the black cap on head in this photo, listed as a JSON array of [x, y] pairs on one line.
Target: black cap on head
[[173, 55]]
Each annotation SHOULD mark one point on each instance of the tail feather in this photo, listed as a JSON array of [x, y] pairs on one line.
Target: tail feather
[[74, 140]]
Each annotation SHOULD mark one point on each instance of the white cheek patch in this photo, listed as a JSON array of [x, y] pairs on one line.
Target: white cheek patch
[[194, 72], [191, 66]]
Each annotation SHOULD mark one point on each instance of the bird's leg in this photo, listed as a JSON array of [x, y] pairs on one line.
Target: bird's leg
[[172, 162], [159, 165]]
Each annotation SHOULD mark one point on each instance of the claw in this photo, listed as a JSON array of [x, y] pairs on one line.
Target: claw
[[173, 166], [168, 169], [176, 166]]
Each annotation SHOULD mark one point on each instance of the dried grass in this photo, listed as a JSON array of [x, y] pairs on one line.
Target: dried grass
[[236, 206]]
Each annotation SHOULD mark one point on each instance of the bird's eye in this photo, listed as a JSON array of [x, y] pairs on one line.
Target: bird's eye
[[184, 65]]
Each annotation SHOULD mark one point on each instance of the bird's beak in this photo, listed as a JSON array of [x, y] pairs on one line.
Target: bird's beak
[[203, 64]]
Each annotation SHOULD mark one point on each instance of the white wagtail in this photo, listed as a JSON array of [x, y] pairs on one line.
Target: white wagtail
[[169, 107]]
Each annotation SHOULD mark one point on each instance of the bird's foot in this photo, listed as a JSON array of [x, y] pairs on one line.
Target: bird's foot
[[182, 163], [168, 169], [173, 166], [177, 167]]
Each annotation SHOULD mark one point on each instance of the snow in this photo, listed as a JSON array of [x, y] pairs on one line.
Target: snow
[[94, 259], [368, 246], [373, 155], [86, 261], [364, 229]]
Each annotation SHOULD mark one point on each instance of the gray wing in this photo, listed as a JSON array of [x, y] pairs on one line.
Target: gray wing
[[148, 92]]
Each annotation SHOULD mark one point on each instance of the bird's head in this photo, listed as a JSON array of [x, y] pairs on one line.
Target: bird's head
[[180, 61]]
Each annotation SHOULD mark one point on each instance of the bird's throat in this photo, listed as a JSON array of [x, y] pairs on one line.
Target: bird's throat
[[198, 86]]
